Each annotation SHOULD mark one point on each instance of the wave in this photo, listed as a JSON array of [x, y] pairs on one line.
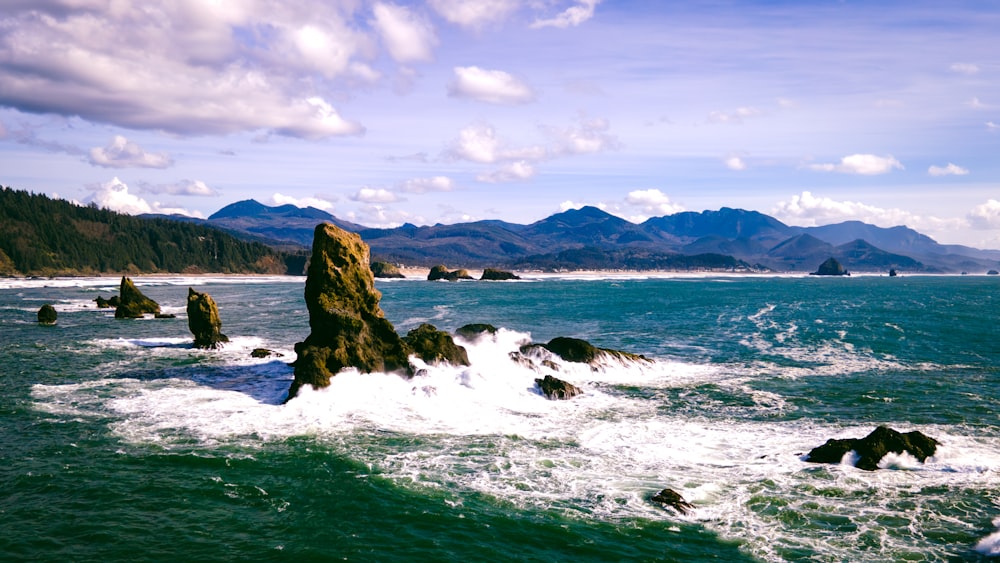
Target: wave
[[487, 429]]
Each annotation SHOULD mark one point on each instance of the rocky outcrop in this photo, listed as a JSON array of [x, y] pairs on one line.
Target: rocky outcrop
[[103, 303], [492, 274], [441, 272], [556, 389], [204, 321], [473, 332], [348, 328], [264, 353], [670, 498], [47, 315], [577, 350], [873, 447], [830, 268], [434, 346], [386, 270], [132, 304]]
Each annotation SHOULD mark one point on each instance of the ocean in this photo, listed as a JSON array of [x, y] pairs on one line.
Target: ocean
[[120, 442]]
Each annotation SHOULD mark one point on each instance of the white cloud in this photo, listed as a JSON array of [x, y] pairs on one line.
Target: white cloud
[[976, 103], [375, 195], [950, 169], [114, 195], [590, 137], [122, 153], [652, 202], [184, 187], [408, 37], [183, 67], [474, 13], [318, 203], [425, 185], [965, 68], [735, 162], [512, 172], [479, 143], [864, 164], [992, 126], [808, 210], [737, 116], [572, 16], [986, 215], [380, 217], [492, 86]]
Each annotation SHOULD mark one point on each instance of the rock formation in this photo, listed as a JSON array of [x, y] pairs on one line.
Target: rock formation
[[264, 353], [348, 328], [434, 346], [440, 272], [47, 315], [386, 270], [554, 388], [132, 304], [577, 350], [103, 303], [831, 268], [473, 332], [204, 321], [873, 447], [492, 274], [670, 498]]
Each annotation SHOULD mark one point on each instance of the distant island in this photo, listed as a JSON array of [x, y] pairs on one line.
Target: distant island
[[44, 236]]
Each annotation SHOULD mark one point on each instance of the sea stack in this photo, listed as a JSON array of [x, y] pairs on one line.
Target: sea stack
[[873, 447], [348, 328], [204, 321], [132, 304], [831, 268], [47, 315]]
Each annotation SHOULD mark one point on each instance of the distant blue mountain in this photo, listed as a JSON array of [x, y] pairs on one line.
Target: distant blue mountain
[[589, 235]]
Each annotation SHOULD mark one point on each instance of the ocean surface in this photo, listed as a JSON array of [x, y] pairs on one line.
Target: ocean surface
[[119, 441]]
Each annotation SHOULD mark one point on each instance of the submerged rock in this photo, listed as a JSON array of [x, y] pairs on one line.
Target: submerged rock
[[670, 498], [348, 328], [831, 268], [47, 315], [386, 270], [264, 353], [204, 321], [492, 274], [434, 346], [873, 447], [132, 304], [556, 389]]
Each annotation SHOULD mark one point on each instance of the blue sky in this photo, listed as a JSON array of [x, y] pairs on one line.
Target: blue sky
[[456, 110]]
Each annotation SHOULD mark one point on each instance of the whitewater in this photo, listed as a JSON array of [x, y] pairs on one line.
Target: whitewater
[[748, 374]]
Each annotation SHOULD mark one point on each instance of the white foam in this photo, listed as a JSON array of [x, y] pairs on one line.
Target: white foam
[[990, 545]]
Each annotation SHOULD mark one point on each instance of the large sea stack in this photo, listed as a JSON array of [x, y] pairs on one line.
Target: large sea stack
[[831, 268], [132, 304], [204, 321], [348, 328]]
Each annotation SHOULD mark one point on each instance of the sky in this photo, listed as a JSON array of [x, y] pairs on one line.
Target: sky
[[447, 111]]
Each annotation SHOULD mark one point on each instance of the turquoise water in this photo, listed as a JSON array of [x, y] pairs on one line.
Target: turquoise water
[[118, 441]]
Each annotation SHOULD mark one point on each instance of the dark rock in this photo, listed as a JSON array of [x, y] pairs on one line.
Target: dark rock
[[348, 328], [386, 270], [103, 303], [993, 273], [132, 304], [204, 321], [473, 332], [164, 316], [264, 353], [434, 346], [831, 268], [114, 301], [576, 350], [441, 272], [672, 499], [47, 315], [554, 388], [492, 274], [572, 349], [893, 273], [873, 447]]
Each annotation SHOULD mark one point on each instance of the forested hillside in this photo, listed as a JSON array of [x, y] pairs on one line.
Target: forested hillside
[[43, 236]]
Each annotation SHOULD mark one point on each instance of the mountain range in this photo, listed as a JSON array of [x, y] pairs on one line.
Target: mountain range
[[590, 237]]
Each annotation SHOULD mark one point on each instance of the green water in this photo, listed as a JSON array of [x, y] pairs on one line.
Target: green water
[[120, 442]]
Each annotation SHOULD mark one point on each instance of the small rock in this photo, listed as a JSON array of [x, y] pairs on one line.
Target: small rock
[[556, 389], [672, 499], [47, 315]]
